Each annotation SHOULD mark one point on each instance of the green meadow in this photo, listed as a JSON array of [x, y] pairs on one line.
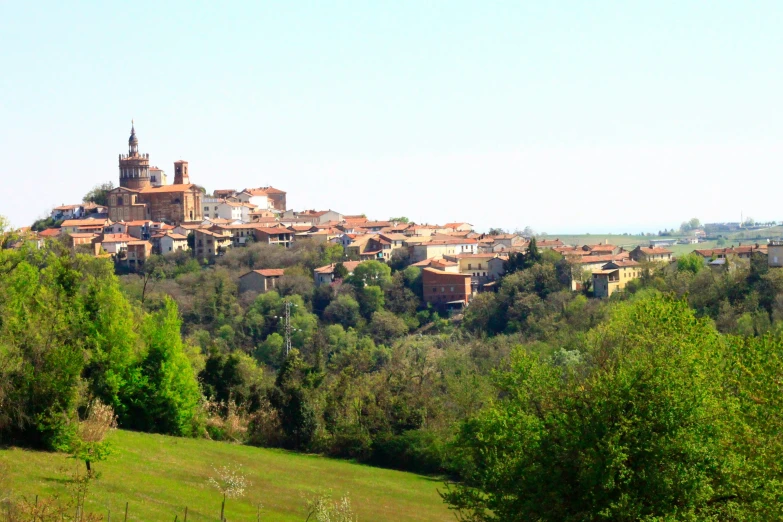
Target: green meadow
[[158, 476]]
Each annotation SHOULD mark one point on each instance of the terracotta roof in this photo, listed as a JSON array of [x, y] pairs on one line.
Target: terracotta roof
[[455, 225], [49, 232], [624, 263], [263, 191], [329, 269], [442, 273], [589, 260], [653, 250], [167, 189], [548, 242], [82, 222], [375, 224], [213, 233], [172, 235], [117, 238], [84, 235], [273, 231], [268, 272], [488, 255], [442, 262], [138, 222], [453, 241]]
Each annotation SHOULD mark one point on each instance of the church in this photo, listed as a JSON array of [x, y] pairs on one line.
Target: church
[[138, 199]]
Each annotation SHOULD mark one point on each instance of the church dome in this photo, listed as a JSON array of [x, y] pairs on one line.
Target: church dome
[[133, 140]]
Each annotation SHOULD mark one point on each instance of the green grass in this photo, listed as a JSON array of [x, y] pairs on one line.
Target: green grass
[[160, 475]]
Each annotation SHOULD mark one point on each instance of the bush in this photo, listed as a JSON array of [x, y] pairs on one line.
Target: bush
[[420, 451]]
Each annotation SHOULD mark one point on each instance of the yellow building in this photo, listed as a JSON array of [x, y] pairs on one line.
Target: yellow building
[[614, 276]]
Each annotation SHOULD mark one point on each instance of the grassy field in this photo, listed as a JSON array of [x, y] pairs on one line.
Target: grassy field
[[160, 475]]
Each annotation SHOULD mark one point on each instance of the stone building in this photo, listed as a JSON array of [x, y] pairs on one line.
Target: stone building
[[137, 198]]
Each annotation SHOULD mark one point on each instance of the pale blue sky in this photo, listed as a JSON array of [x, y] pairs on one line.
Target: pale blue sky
[[566, 116]]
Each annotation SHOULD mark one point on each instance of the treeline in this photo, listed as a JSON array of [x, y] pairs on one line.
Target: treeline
[[661, 403], [68, 336]]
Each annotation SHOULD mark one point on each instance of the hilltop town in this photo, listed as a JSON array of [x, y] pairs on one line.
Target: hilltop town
[[145, 216]]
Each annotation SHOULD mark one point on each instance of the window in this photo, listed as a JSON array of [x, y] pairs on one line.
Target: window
[[471, 266], [119, 201]]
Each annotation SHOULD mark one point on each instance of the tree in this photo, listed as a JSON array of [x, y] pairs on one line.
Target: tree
[[638, 429], [370, 273], [344, 310], [690, 263], [386, 326], [371, 299], [401, 219], [167, 396], [99, 194], [89, 443], [340, 272], [289, 398]]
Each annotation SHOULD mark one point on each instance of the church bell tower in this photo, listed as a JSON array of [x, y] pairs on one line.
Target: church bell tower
[[134, 167]]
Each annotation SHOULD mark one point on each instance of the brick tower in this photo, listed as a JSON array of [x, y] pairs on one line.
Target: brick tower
[[134, 167], [181, 176]]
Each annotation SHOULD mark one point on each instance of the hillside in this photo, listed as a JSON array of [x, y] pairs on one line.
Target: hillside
[[160, 475]]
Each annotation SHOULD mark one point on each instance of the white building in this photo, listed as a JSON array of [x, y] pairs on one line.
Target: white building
[[257, 197], [158, 177], [235, 211], [211, 207]]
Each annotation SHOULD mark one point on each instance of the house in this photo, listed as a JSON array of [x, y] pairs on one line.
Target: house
[[273, 236], [241, 233], [86, 238], [168, 242], [442, 247], [325, 275], [374, 226], [140, 229], [385, 244], [477, 266], [446, 290], [543, 244], [158, 177], [224, 193], [582, 266], [67, 212], [601, 249], [81, 226], [775, 254], [444, 265], [137, 253], [318, 217], [260, 280], [235, 210], [264, 198], [458, 227], [652, 253], [49, 233], [360, 247], [663, 242], [741, 251], [614, 276], [115, 244], [505, 240], [210, 243]]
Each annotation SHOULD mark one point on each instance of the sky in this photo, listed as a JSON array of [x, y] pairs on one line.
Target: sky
[[569, 116]]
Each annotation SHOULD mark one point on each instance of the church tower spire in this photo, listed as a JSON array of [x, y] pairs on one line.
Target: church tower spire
[[134, 167]]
